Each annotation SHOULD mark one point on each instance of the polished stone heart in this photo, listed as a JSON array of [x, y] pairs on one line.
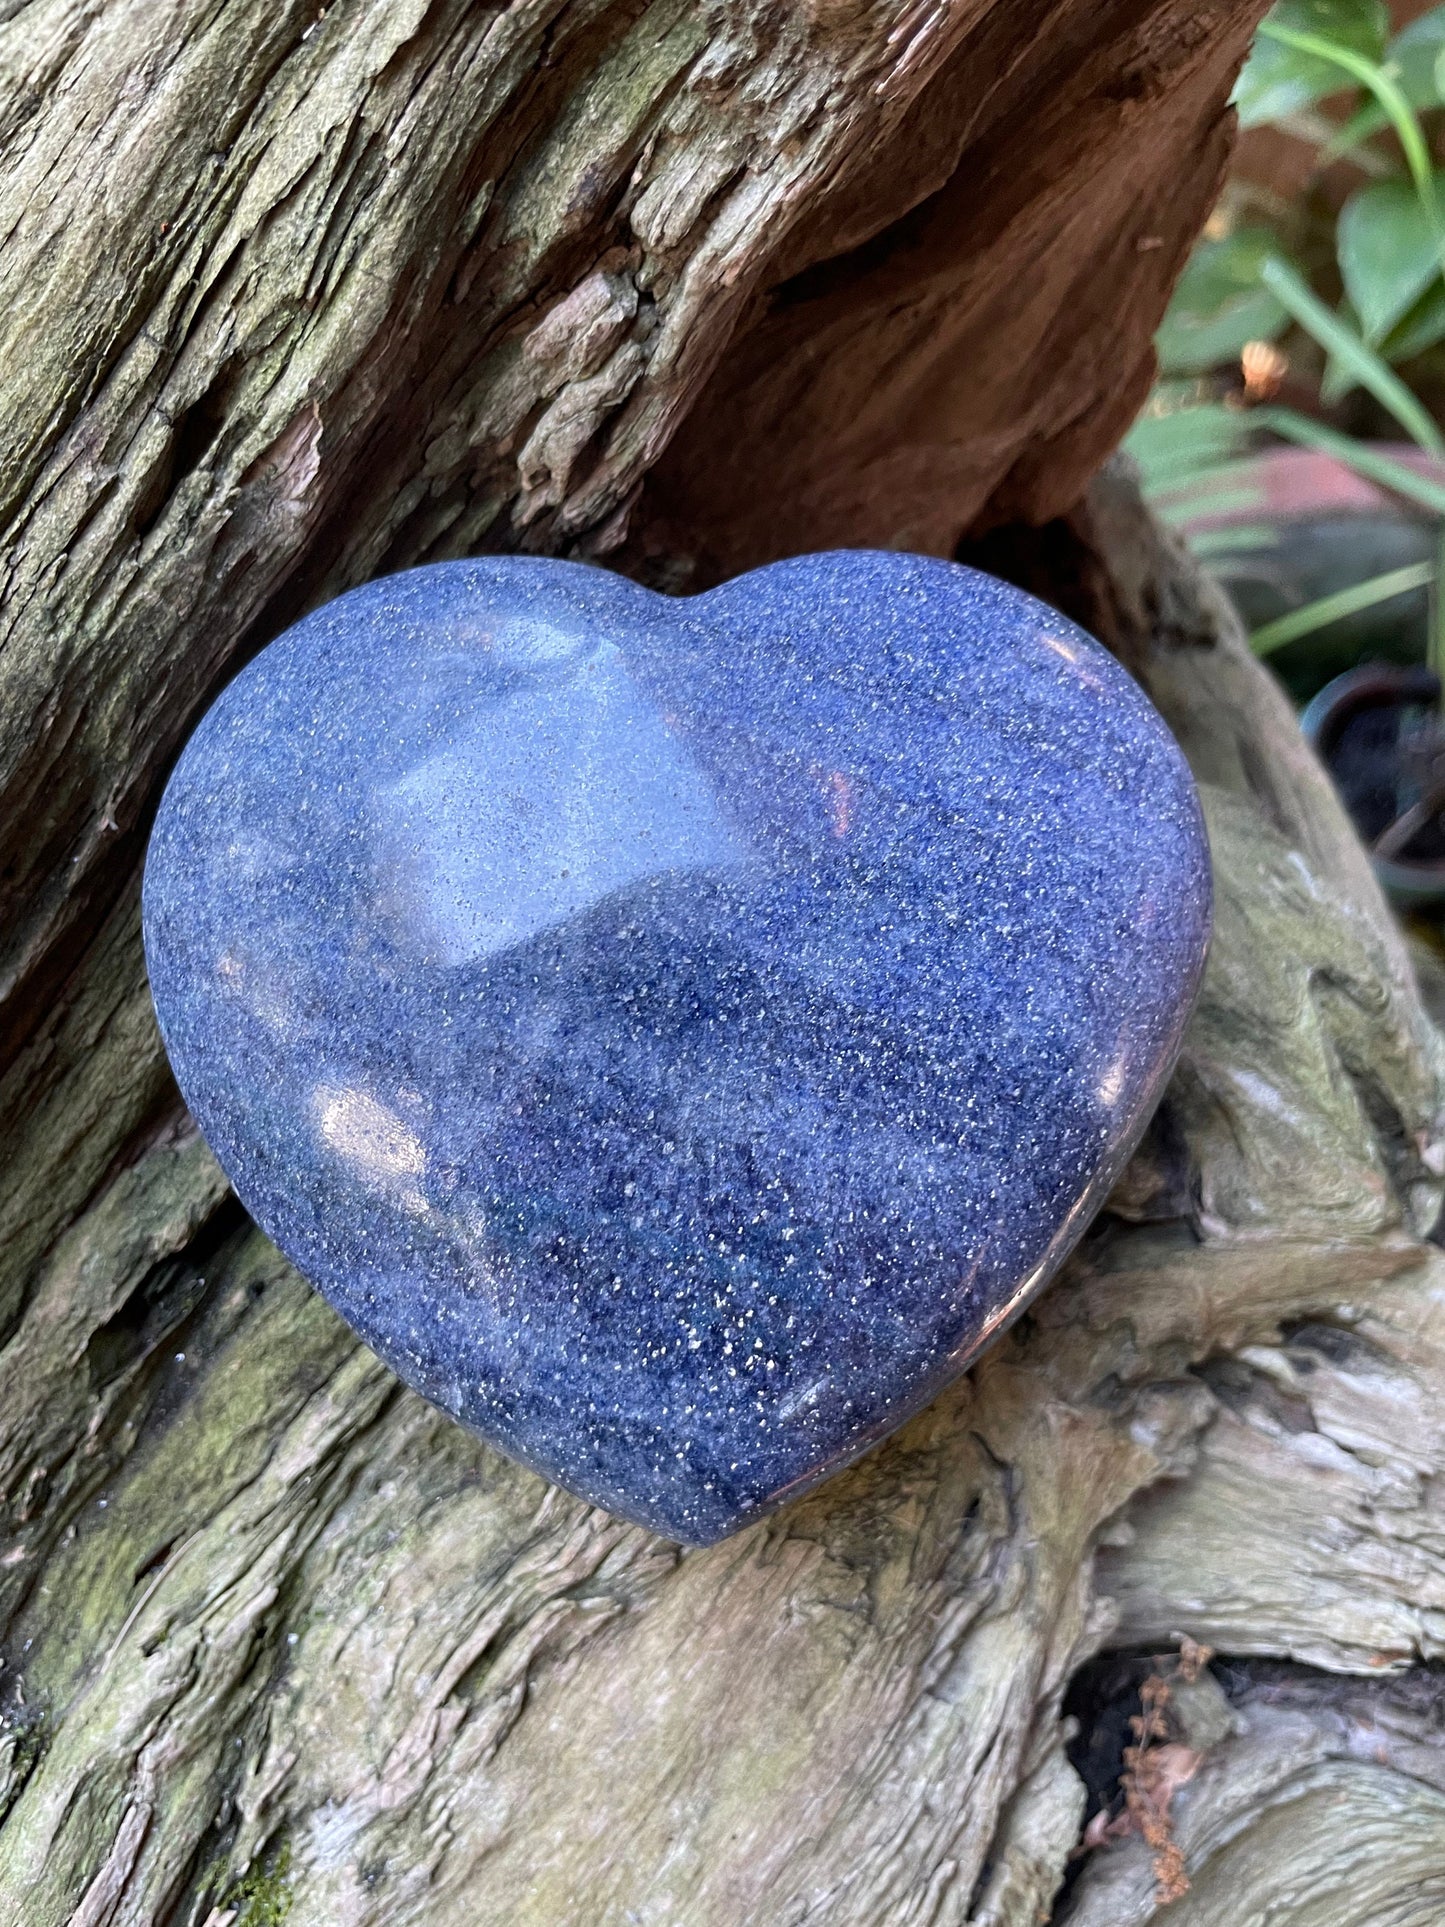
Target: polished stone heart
[[678, 1034]]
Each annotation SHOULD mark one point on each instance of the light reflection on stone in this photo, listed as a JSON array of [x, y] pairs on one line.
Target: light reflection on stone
[[557, 796]]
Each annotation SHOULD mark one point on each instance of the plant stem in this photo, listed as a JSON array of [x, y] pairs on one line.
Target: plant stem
[[1344, 602], [1293, 293], [1377, 79]]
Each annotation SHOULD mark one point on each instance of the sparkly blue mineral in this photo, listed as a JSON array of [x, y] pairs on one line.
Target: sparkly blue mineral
[[678, 1034]]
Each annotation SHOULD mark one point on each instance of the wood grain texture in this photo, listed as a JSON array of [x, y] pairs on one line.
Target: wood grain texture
[[258, 1596], [293, 295]]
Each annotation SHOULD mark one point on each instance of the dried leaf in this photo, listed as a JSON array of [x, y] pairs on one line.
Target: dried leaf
[[1193, 1658]]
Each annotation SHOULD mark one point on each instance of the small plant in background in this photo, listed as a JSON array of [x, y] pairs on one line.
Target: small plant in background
[[1333, 299], [1299, 360]]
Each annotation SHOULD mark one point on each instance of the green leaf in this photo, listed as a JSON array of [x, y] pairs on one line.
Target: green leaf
[[1344, 602], [1367, 120], [1180, 449], [1413, 60], [1389, 253], [1279, 79], [1414, 56], [1338, 380], [1361, 362], [1210, 497], [1420, 329], [1381, 83], [1238, 539], [1360, 456], [1190, 344], [1219, 304]]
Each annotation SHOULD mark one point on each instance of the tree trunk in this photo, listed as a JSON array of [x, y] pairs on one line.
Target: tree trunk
[[295, 295]]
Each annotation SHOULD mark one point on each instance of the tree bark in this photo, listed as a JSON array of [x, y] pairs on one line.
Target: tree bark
[[293, 296]]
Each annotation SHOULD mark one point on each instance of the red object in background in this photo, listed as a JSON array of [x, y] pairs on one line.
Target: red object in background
[[1303, 484]]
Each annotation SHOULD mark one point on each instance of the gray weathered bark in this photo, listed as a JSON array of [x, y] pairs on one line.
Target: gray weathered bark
[[295, 295]]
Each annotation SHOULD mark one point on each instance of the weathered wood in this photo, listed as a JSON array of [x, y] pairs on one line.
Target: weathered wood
[[1313, 1802], [293, 296], [312, 1612]]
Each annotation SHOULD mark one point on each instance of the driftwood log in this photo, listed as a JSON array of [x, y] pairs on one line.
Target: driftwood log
[[294, 294]]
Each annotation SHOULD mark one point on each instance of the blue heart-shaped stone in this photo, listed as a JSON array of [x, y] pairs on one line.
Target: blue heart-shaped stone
[[678, 1034]]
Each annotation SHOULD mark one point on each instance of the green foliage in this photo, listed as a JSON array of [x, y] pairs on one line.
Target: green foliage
[[1189, 455], [1415, 54], [1358, 455], [1245, 284], [1345, 602], [1359, 361], [1389, 254], [1389, 244], [263, 1898], [1280, 78], [1220, 303], [1379, 80], [1422, 328], [1413, 61], [1177, 441]]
